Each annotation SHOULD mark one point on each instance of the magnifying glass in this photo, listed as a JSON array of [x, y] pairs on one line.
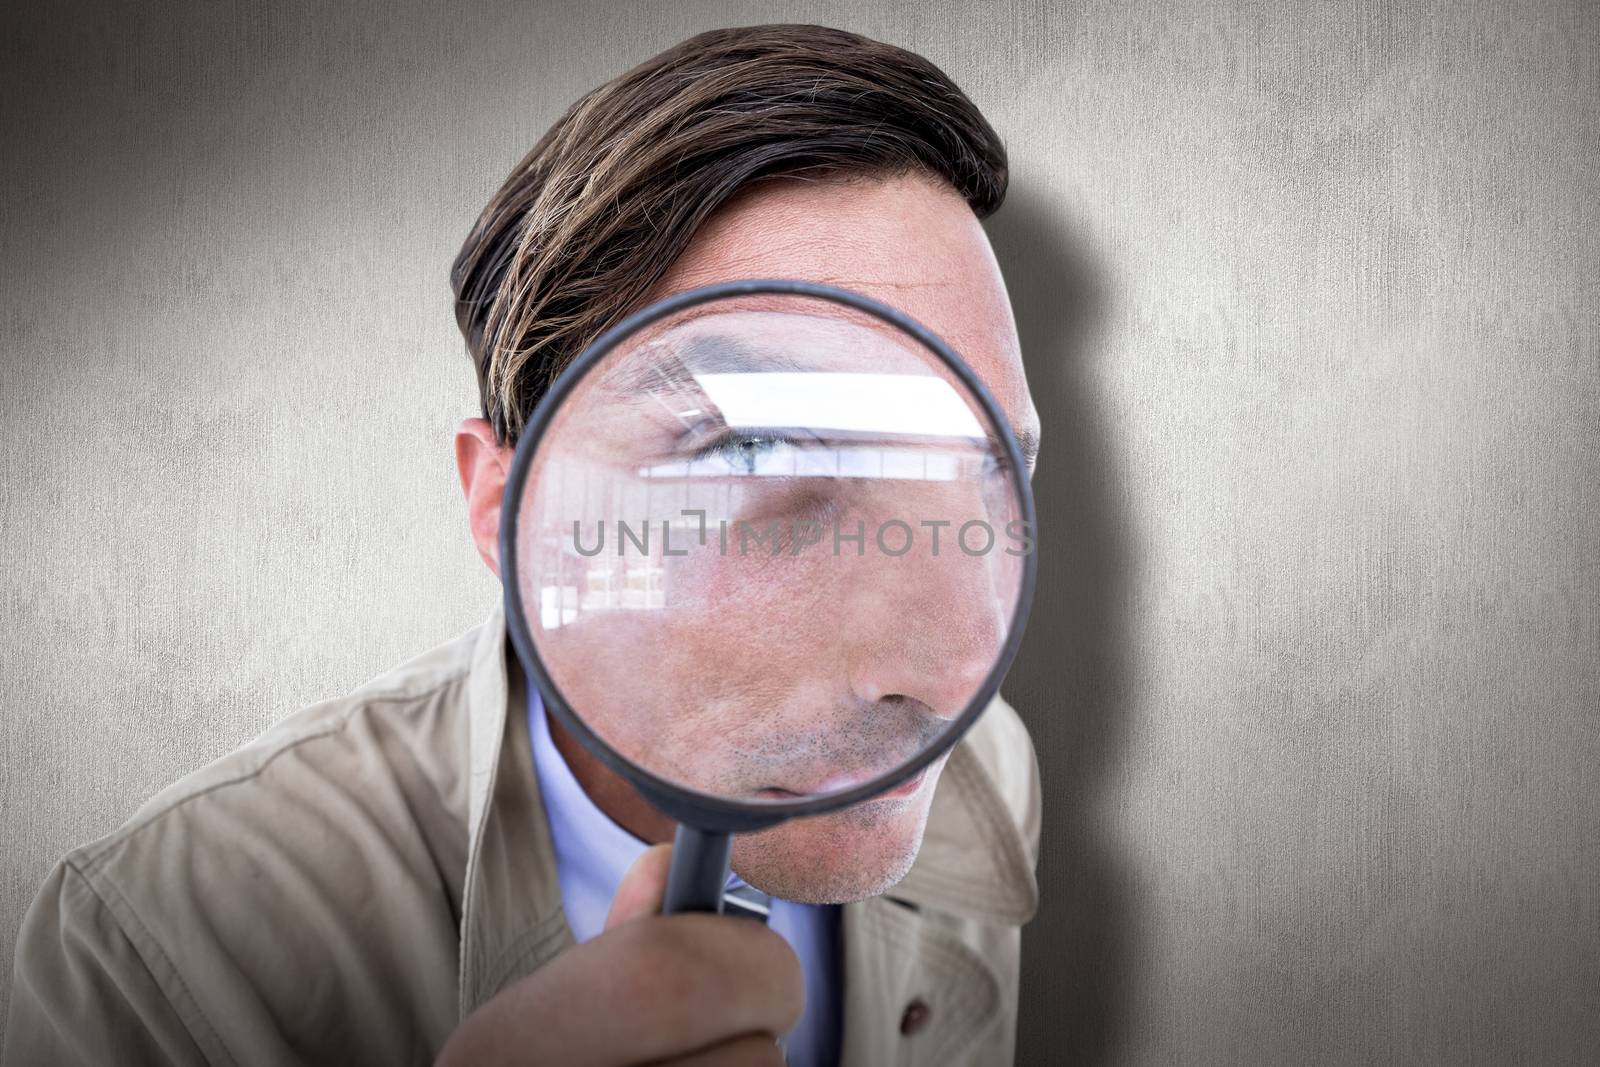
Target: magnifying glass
[[766, 549]]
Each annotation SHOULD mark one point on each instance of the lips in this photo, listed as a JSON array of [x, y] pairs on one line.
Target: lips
[[840, 783]]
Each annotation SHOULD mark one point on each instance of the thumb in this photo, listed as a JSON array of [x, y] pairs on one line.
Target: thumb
[[642, 888]]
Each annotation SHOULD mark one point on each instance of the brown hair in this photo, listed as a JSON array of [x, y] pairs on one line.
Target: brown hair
[[612, 194]]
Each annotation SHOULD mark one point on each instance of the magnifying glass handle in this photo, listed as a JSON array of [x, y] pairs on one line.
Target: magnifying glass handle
[[699, 870]]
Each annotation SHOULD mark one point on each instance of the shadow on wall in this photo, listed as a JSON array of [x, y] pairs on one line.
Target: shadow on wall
[[1069, 682]]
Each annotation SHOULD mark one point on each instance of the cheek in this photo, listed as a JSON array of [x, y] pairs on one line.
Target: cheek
[[752, 629], [745, 649]]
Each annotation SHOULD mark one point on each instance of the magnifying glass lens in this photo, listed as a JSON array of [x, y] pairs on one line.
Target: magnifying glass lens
[[769, 548]]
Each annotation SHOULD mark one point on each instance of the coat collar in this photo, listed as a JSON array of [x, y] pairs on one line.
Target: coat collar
[[974, 862], [511, 920]]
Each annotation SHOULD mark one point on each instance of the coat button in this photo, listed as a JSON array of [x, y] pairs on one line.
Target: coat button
[[915, 1017]]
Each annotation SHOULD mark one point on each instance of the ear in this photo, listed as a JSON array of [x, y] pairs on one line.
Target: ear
[[482, 462]]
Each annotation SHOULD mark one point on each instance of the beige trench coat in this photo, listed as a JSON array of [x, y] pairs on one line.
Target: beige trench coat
[[349, 886]]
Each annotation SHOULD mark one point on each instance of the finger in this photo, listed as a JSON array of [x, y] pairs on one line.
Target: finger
[[654, 989], [699, 979], [751, 1050], [642, 888]]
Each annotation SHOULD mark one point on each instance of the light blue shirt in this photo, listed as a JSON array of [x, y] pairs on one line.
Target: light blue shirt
[[593, 853]]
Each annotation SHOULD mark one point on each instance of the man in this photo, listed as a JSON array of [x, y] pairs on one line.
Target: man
[[431, 868]]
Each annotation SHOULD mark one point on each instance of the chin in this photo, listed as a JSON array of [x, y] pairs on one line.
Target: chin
[[840, 857]]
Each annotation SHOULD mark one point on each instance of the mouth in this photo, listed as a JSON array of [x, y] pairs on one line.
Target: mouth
[[839, 783]]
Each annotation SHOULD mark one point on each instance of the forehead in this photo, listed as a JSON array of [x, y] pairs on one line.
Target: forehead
[[908, 242]]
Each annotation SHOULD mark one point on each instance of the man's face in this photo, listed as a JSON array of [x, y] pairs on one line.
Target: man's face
[[805, 672]]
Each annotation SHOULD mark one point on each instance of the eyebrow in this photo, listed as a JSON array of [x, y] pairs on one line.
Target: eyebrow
[[1028, 444], [678, 371]]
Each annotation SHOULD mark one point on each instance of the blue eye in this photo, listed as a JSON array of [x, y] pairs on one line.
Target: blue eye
[[743, 453]]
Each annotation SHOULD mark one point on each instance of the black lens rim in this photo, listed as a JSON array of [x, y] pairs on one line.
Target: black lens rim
[[704, 810]]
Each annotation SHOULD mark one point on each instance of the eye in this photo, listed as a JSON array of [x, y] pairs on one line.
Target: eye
[[746, 453], [996, 468]]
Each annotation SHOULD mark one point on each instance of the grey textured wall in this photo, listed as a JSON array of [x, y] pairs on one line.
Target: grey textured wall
[[1309, 296]]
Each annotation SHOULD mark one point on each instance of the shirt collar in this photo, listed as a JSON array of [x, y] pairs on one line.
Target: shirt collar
[[592, 851]]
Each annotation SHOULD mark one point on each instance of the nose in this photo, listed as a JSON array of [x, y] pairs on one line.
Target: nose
[[929, 629]]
